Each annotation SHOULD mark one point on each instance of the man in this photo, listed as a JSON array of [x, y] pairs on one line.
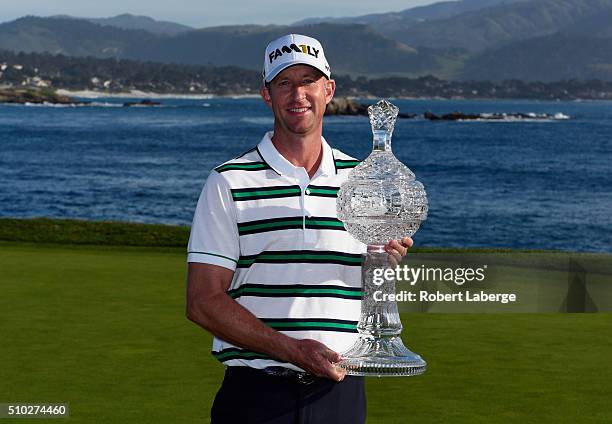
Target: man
[[273, 275]]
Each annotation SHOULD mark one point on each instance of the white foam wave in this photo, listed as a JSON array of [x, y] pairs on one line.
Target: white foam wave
[[46, 104], [90, 94], [258, 120], [525, 117], [142, 105], [245, 96], [105, 104], [73, 105]]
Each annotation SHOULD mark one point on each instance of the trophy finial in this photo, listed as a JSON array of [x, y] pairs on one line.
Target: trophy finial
[[383, 115]]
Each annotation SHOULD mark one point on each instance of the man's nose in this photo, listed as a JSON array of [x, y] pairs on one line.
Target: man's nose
[[299, 92]]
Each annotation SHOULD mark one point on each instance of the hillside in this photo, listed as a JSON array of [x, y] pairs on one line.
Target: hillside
[[548, 58], [469, 39], [351, 49], [492, 27], [74, 37], [49, 72], [431, 12], [111, 75], [129, 21]]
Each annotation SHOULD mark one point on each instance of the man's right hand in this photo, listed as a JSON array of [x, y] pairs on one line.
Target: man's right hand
[[317, 359], [209, 306]]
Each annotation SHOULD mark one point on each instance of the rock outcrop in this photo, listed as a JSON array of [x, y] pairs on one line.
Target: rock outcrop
[[30, 95], [346, 106], [518, 116], [145, 102]]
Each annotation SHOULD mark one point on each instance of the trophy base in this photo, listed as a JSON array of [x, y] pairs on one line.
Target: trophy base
[[381, 357]]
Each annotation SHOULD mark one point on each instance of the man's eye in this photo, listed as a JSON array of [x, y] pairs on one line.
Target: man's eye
[[308, 81], [283, 83]]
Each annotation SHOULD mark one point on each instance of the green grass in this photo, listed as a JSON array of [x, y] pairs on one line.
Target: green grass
[[104, 329], [108, 233], [68, 231]]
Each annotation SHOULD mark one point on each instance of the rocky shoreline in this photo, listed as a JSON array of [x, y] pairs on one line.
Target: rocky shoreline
[[347, 106], [460, 116], [34, 96], [24, 96], [338, 106]]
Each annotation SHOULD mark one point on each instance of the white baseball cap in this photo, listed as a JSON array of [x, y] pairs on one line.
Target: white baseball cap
[[294, 49]]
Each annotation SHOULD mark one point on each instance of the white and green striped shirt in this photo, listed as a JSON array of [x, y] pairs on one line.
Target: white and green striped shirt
[[295, 267]]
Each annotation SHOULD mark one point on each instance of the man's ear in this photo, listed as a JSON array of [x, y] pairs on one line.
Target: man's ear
[[330, 89], [265, 95]]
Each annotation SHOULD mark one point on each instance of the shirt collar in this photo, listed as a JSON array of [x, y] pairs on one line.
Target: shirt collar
[[282, 166]]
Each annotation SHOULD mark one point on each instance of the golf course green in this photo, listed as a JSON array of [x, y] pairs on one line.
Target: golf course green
[[103, 329]]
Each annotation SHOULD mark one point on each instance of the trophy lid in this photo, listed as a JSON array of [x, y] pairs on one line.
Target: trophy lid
[[383, 116]]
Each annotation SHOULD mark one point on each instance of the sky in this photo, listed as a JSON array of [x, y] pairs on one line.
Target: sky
[[204, 13]]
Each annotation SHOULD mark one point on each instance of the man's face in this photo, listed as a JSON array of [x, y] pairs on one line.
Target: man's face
[[298, 97]]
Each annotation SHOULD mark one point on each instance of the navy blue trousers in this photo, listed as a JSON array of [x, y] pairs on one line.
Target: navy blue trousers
[[249, 396]]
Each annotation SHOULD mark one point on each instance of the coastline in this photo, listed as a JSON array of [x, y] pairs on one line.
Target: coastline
[[137, 94]]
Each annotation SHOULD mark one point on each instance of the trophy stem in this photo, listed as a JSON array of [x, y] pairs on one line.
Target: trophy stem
[[379, 351], [382, 141]]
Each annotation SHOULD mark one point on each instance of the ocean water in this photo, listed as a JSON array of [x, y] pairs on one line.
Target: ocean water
[[536, 185]]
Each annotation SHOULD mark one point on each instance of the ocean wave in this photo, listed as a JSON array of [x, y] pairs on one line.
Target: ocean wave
[[71, 105], [134, 94], [105, 104], [258, 120], [46, 104], [519, 117]]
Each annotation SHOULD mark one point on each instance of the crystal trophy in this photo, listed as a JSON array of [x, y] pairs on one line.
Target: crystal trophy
[[380, 201]]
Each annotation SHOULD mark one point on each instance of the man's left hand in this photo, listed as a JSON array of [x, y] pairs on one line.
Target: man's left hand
[[397, 249]]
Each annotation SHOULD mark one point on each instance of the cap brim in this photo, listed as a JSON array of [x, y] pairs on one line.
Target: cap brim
[[280, 68]]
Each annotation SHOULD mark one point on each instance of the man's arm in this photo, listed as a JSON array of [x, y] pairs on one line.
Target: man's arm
[[209, 306]]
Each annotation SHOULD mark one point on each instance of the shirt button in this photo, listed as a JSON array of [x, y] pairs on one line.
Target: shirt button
[[307, 191]]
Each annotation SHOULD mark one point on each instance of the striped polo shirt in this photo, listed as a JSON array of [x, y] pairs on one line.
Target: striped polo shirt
[[295, 266]]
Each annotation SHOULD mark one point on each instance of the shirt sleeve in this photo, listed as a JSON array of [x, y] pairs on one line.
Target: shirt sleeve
[[214, 232]]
